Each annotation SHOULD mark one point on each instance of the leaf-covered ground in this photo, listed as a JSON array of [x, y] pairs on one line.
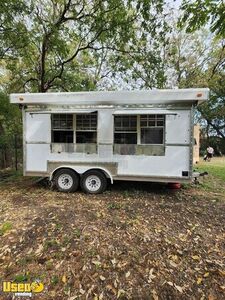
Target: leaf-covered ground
[[135, 241]]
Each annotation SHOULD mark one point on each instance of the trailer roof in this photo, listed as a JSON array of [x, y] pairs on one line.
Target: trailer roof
[[114, 97]]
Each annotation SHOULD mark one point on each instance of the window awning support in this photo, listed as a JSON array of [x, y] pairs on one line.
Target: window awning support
[[143, 112], [61, 111]]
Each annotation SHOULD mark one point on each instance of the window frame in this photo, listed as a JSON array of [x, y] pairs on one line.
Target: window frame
[[124, 131], [161, 126], [83, 130], [139, 127], [60, 129], [73, 127]]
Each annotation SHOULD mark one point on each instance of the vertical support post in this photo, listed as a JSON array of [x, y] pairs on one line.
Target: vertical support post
[[138, 129], [191, 141], [24, 140], [74, 132], [16, 154]]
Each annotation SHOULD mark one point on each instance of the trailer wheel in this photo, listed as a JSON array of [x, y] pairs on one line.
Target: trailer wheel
[[66, 180], [93, 182]]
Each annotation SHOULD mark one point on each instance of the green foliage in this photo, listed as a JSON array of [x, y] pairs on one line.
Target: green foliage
[[54, 280], [10, 116], [77, 233], [5, 227], [67, 45], [10, 130], [12, 29], [21, 278], [201, 12], [197, 61], [216, 142]]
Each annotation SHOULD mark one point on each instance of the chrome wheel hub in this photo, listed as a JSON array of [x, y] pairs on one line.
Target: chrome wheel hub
[[65, 181], [93, 183]]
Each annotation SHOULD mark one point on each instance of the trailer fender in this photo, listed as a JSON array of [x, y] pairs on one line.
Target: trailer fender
[[82, 169]]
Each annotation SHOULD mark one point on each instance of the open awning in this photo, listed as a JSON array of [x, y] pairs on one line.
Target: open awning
[[143, 112]]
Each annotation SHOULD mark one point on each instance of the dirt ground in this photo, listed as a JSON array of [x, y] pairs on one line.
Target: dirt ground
[[135, 241]]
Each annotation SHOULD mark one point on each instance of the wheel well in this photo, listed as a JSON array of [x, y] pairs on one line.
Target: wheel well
[[99, 170], [62, 168]]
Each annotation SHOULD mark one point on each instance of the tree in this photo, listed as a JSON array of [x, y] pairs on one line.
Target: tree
[[197, 60], [10, 131], [203, 12], [12, 26], [61, 40]]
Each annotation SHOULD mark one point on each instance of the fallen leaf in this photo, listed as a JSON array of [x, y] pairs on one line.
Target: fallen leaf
[[96, 263], [59, 264], [179, 288], [151, 276], [82, 291], [127, 274], [195, 257], [154, 295], [39, 249], [211, 297], [199, 280], [111, 288], [115, 283], [102, 278], [64, 279], [173, 264], [113, 261], [120, 293], [222, 273]]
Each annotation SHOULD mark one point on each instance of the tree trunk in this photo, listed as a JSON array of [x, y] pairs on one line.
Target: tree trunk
[[16, 153]]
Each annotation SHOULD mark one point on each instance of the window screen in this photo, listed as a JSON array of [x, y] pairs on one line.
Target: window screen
[[152, 129], [86, 128], [125, 129], [62, 121], [62, 128]]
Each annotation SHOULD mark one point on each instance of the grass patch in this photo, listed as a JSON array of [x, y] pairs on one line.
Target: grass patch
[[114, 205], [216, 167], [10, 175], [51, 244], [5, 227], [21, 278], [54, 280], [216, 175], [77, 233]]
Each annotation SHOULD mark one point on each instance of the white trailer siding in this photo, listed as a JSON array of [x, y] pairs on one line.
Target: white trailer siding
[[175, 161], [178, 128], [177, 142]]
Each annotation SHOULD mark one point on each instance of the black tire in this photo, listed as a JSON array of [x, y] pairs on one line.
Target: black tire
[[63, 178], [93, 182]]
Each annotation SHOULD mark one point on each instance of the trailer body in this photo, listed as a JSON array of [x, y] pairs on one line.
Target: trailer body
[[126, 135]]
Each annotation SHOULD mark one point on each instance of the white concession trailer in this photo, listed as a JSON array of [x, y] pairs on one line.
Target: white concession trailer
[[85, 138]]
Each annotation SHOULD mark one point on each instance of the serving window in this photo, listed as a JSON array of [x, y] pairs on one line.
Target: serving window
[[152, 129], [62, 128], [139, 134], [125, 130], [86, 128], [74, 132]]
